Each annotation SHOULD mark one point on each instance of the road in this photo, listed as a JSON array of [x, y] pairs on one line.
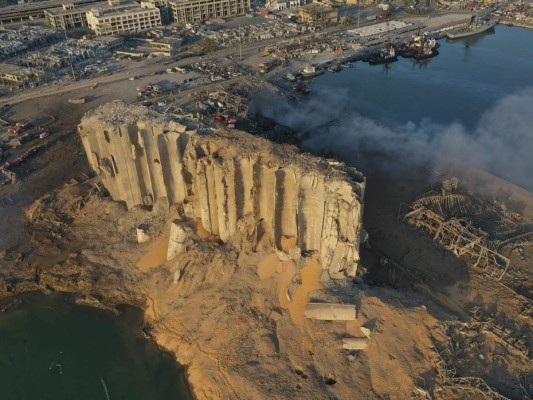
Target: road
[[157, 65], [162, 64]]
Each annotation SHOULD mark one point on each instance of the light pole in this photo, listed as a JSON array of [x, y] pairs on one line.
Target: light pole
[[240, 44], [358, 12]]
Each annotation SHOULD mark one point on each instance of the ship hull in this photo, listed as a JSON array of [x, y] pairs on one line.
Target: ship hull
[[377, 61], [308, 75], [481, 29]]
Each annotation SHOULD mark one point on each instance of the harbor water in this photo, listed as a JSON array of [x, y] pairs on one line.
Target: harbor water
[[51, 348], [467, 78]]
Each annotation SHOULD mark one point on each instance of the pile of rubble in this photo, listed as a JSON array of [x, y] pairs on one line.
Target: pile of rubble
[[473, 229], [64, 54], [216, 70], [14, 42], [295, 49], [517, 11], [253, 33], [232, 99], [148, 92]]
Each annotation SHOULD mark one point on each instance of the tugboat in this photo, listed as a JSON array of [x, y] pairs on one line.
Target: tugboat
[[310, 71], [427, 50], [419, 47], [301, 88], [384, 56]]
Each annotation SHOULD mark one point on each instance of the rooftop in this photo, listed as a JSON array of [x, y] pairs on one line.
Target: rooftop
[[75, 9], [41, 5]]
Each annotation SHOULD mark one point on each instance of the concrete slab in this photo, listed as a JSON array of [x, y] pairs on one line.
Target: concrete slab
[[330, 311]]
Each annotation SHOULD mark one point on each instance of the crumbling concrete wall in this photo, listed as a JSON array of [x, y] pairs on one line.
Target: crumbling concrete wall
[[238, 185]]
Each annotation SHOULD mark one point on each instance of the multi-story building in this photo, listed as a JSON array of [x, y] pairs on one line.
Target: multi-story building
[[32, 11], [68, 16], [123, 18], [187, 11], [278, 5], [164, 8]]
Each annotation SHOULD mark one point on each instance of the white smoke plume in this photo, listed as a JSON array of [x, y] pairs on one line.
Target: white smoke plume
[[501, 142]]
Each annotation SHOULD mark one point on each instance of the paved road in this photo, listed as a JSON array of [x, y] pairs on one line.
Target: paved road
[[162, 64], [157, 65]]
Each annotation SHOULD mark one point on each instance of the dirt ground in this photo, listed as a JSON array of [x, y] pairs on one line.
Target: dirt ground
[[235, 320]]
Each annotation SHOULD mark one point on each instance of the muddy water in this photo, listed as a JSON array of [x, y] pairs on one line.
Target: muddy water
[[310, 281], [53, 349], [156, 255], [284, 273]]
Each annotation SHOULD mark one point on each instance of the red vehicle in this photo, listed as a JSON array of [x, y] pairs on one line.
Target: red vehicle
[[20, 125], [301, 88], [15, 131], [219, 118], [232, 121]]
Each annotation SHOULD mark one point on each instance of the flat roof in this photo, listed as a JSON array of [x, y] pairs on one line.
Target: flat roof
[[40, 5], [118, 9]]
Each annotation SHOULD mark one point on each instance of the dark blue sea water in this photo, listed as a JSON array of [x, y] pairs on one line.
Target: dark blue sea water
[[466, 79], [51, 349]]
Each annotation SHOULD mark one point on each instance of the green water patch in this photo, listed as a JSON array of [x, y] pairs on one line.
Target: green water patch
[[51, 348]]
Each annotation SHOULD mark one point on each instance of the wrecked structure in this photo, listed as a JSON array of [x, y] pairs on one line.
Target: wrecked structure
[[243, 189], [20, 40], [69, 52], [474, 229]]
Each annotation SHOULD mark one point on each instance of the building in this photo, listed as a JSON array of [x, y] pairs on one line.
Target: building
[[117, 18], [67, 17], [18, 77], [32, 11], [164, 9], [318, 14], [278, 5], [188, 11]]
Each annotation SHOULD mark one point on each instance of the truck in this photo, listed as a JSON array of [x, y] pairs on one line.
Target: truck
[[264, 67]]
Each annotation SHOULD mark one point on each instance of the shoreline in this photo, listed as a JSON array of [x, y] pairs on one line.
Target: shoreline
[[175, 334], [518, 24], [128, 317]]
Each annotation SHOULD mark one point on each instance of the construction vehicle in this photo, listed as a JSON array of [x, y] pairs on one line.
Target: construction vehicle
[[264, 67]]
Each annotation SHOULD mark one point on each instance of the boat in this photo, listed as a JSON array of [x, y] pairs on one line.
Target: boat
[[310, 71], [427, 50], [290, 77], [301, 88], [384, 56], [424, 54], [475, 27], [419, 47], [347, 65], [334, 68]]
